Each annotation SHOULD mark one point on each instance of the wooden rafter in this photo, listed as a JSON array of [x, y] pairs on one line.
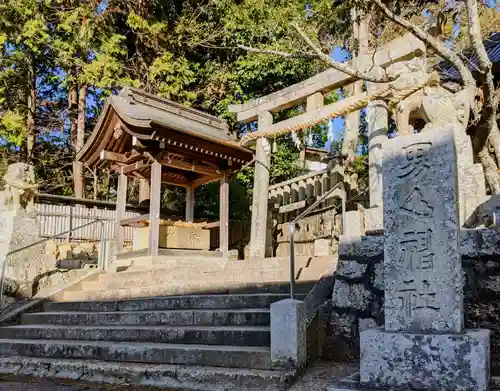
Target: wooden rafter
[[112, 157], [188, 143], [131, 168], [122, 158], [193, 155], [204, 180], [186, 166], [175, 179]]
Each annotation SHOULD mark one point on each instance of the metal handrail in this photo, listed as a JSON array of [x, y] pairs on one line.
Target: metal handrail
[[292, 231], [4, 259]]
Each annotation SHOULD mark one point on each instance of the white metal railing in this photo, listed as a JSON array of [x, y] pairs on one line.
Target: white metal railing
[[309, 210], [100, 260]]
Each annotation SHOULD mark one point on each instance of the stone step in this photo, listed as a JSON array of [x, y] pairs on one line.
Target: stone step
[[175, 377], [190, 268], [241, 317], [207, 335], [200, 281], [154, 353], [313, 273], [221, 287], [172, 303]]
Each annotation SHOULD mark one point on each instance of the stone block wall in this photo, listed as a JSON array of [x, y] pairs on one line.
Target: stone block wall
[[358, 293], [312, 235], [358, 296]]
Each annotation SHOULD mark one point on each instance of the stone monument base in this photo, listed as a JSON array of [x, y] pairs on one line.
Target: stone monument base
[[19, 229], [430, 362]]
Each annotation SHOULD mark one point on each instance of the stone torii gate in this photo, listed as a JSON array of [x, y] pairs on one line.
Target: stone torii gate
[[157, 141], [311, 92]]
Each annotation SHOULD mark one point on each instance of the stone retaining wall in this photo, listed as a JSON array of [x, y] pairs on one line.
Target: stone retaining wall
[[314, 235], [358, 296]]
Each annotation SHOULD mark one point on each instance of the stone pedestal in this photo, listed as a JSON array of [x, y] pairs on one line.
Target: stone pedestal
[[288, 334], [353, 223], [423, 345], [373, 221], [19, 229], [444, 362]]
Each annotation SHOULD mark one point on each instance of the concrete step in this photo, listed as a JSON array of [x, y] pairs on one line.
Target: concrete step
[[207, 335], [171, 303], [175, 377], [190, 267], [241, 317], [202, 283], [221, 287], [154, 353]]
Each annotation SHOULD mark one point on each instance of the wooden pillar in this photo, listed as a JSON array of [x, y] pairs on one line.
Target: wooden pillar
[[154, 209], [189, 204], [144, 190], [224, 217], [121, 202], [258, 231]]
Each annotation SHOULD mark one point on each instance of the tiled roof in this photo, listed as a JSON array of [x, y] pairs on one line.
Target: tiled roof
[[492, 46]]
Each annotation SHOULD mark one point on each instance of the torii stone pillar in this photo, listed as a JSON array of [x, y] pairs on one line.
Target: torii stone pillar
[[258, 232], [377, 126]]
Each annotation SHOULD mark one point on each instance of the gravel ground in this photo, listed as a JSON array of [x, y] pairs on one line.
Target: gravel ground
[[316, 378], [320, 374]]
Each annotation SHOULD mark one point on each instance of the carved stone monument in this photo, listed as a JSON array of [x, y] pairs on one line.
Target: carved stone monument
[[423, 345]]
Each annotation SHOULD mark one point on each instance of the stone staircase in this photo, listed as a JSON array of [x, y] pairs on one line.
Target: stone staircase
[[129, 328]]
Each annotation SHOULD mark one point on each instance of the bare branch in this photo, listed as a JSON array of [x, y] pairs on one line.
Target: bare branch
[[427, 38], [277, 52], [488, 115], [340, 66]]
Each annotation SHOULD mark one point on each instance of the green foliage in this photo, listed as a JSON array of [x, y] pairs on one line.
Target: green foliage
[[185, 51], [140, 25], [284, 165], [172, 77], [13, 128], [284, 162]]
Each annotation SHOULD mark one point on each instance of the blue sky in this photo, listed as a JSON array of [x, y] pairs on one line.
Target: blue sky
[[341, 54]]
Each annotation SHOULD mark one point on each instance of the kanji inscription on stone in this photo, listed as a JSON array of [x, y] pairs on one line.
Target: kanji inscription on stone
[[422, 263]]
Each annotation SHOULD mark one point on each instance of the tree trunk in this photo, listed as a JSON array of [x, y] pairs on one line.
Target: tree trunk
[[79, 142], [30, 120], [495, 142], [490, 170], [73, 112]]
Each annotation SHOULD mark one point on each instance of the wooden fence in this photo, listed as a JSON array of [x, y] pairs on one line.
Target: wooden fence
[[54, 219], [57, 214]]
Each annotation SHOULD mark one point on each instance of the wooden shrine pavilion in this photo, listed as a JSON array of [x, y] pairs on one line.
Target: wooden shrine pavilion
[[142, 136]]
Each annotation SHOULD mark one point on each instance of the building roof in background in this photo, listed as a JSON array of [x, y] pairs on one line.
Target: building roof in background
[[314, 150], [136, 116], [142, 108], [492, 46]]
